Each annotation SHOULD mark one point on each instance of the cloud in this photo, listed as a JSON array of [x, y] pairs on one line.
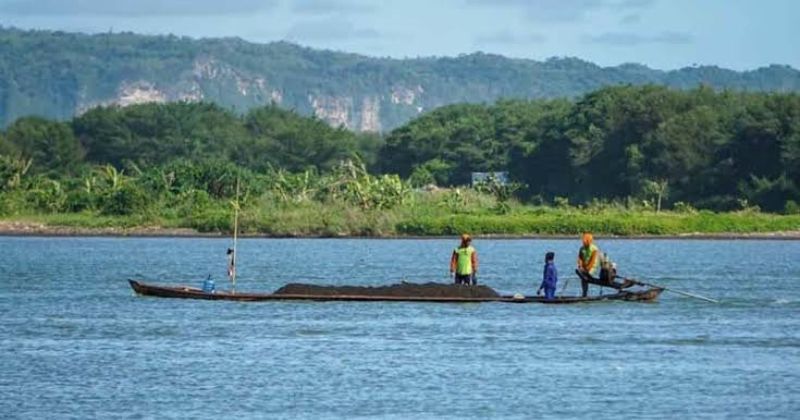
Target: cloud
[[563, 10], [324, 7], [630, 19], [546, 10], [132, 8], [329, 29], [631, 39], [508, 38], [633, 4]]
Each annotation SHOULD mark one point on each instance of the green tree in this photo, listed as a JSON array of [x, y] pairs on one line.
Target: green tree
[[284, 139], [655, 189], [50, 145], [541, 158], [602, 127], [681, 150], [435, 171], [466, 138], [152, 134]]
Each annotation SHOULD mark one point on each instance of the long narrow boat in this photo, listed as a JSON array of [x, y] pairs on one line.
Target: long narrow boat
[[646, 295], [186, 292]]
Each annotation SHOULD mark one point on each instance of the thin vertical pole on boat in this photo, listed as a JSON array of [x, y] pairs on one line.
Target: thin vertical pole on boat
[[235, 235]]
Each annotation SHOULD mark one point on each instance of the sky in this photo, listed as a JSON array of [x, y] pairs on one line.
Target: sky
[[662, 34]]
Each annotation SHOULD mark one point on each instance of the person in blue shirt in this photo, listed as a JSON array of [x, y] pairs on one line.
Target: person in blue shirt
[[549, 278]]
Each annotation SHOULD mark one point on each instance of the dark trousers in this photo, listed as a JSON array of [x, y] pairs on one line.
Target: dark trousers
[[465, 279], [584, 283], [549, 293]]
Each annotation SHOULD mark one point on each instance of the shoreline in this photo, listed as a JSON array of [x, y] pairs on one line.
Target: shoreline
[[27, 229]]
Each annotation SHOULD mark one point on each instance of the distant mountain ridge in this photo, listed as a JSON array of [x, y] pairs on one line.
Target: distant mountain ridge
[[60, 74]]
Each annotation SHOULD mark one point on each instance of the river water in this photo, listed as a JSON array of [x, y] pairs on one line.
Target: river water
[[75, 342]]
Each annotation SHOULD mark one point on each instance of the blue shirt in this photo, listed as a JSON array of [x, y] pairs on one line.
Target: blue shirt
[[550, 276]]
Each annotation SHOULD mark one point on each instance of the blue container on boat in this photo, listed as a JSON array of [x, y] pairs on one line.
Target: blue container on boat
[[208, 286]]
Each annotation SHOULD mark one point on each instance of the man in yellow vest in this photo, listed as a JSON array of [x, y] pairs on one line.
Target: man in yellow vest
[[464, 262], [588, 261]]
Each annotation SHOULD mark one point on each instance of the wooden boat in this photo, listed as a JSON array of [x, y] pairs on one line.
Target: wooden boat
[[186, 292], [646, 295]]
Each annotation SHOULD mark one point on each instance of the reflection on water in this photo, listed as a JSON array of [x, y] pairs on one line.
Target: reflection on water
[[76, 342]]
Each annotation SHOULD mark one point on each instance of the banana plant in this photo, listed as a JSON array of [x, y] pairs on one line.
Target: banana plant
[[111, 178], [13, 170]]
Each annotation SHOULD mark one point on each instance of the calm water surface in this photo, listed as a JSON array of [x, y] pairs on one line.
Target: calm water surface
[[76, 343]]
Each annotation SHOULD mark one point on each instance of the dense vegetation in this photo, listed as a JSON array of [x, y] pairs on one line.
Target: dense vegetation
[[608, 161], [713, 150], [58, 75]]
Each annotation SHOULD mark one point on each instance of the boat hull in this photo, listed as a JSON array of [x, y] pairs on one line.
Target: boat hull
[[185, 292], [647, 295]]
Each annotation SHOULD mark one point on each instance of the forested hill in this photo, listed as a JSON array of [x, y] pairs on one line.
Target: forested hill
[[59, 75]]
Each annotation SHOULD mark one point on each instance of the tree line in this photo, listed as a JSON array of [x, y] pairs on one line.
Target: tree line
[[715, 150], [701, 148]]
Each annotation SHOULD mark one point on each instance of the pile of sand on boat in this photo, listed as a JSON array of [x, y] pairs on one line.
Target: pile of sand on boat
[[396, 290]]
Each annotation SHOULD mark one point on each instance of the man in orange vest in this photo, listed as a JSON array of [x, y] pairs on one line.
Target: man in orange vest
[[588, 261]]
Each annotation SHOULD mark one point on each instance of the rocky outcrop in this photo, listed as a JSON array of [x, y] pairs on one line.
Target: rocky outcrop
[[370, 114], [341, 111], [335, 110], [139, 92], [192, 93], [406, 96], [208, 69], [129, 93], [206, 79]]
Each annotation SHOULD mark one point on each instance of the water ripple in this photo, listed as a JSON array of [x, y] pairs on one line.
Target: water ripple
[[77, 343]]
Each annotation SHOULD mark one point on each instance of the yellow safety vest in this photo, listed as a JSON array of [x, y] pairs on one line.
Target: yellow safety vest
[[586, 257], [464, 260]]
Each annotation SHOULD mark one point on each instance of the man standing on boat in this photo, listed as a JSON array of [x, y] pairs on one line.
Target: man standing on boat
[[464, 262], [231, 264], [588, 261], [549, 278]]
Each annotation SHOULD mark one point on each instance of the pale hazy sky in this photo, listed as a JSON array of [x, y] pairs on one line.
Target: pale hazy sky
[[665, 34]]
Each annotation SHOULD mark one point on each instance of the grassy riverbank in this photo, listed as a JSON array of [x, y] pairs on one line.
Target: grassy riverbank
[[424, 215]]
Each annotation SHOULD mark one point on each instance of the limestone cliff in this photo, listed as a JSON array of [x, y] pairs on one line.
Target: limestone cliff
[[370, 114], [333, 109], [57, 75]]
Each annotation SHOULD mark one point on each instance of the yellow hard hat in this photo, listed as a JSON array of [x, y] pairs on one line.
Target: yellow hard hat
[[465, 237]]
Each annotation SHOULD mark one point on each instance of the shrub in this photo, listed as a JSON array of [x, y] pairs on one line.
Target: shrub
[[191, 202], [561, 202], [126, 200], [791, 207], [80, 200], [685, 208], [421, 177], [212, 220], [47, 195]]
